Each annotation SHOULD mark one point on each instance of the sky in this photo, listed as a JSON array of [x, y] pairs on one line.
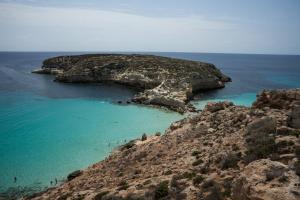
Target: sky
[[216, 26]]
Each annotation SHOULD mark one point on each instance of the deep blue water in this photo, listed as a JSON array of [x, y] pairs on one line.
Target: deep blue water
[[48, 129]]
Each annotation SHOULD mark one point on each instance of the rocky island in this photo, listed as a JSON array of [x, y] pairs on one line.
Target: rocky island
[[162, 81], [226, 152]]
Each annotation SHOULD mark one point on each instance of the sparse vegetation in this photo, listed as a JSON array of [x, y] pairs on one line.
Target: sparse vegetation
[[195, 153], [214, 194], [197, 162], [162, 190], [297, 152], [227, 188], [128, 145], [63, 197], [260, 146], [230, 161], [123, 185], [297, 167], [157, 134], [197, 180], [147, 182], [188, 175], [100, 195], [296, 133], [144, 137], [169, 172]]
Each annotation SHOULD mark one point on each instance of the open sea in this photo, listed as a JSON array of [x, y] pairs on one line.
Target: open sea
[[49, 129]]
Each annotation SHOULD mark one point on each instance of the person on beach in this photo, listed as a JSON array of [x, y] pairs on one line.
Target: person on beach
[[55, 181], [15, 179]]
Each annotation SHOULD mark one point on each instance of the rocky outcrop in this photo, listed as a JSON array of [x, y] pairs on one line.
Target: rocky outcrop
[[226, 152], [163, 81], [294, 117], [277, 99], [266, 180]]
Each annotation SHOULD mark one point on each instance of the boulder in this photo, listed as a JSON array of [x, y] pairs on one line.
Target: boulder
[[216, 106], [266, 180], [263, 125]]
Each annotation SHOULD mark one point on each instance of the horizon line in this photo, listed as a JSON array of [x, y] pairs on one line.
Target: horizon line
[[192, 52]]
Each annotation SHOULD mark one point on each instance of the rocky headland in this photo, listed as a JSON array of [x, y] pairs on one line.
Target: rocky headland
[[162, 81], [226, 152]]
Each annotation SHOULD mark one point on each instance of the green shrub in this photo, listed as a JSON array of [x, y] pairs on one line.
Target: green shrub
[[227, 188], [195, 153], [169, 172], [197, 162], [214, 194], [297, 167], [197, 180], [144, 137], [157, 134], [297, 152], [100, 195], [188, 175], [230, 161], [260, 147], [123, 185], [161, 190], [128, 145], [295, 133], [147, 182]]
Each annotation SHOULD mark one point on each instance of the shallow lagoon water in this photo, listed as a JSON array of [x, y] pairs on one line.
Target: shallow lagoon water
[[48, 129], [44, 138]]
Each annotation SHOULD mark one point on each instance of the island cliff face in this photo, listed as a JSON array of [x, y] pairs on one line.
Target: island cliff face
[[163, 81], [226, 152]]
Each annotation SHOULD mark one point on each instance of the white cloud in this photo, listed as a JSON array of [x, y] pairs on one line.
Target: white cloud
[[44, 28]]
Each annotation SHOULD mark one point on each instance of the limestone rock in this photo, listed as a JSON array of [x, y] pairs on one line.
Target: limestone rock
[[216, 106], [278, 99], [264, 125], [266, 180]]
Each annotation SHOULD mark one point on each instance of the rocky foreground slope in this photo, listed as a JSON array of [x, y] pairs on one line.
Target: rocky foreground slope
[[225, 152], [163, 81]]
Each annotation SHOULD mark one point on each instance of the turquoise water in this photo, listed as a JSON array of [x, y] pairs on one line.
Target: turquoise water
[[44, 138], [48, 129]]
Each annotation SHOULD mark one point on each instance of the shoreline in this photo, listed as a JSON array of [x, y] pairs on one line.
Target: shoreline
[[181, 126], [179, 133], [145, 112]]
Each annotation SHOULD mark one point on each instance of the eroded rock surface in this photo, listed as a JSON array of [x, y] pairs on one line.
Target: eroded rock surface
[[163, 81], [266, 180], [226, 152]]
